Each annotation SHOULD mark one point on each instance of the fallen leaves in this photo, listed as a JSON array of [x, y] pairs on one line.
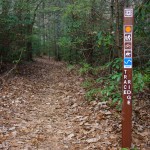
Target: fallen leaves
[[93, 140], [43, 107]]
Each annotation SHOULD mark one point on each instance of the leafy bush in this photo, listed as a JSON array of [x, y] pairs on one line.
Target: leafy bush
[[128, 149], [108, 87], [85, 69], [105, 87]]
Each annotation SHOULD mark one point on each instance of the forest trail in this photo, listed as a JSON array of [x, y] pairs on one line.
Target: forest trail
[[43, 108]]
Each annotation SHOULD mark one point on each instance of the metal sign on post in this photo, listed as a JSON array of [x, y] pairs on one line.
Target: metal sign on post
[[127, 78]]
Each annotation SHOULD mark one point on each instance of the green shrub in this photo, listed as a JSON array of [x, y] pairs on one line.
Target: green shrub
[[108, 87], [85, 69]]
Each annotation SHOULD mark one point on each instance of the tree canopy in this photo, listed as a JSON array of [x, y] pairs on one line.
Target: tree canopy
[[89, 30]]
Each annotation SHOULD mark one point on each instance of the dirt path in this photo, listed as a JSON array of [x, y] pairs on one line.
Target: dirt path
[[43, 108]]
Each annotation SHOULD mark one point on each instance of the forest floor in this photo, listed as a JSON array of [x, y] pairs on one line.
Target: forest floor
[[42, 107]]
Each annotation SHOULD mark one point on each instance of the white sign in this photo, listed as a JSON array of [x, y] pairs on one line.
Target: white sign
[[127, 54], [127, 45], [128, 37], [128, 12]]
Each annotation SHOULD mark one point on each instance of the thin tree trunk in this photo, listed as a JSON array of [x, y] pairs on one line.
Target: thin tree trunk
[[43, 21], [29, 48], [117, 31], [111, 32], [4, 39], [29, 43]]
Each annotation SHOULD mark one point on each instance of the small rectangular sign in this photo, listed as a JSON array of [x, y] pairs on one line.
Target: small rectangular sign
[[128, 12], [128, 37], [127, 45], [127, 53], [127, 62]]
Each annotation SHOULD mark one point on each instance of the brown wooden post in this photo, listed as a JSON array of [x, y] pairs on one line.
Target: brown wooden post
[[127, 78]]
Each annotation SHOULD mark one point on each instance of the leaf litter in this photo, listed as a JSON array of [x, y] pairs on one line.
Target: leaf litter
[[42, 107]]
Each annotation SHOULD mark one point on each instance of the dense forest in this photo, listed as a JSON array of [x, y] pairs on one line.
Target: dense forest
[[85, 35], [76, 31], [87, 32]]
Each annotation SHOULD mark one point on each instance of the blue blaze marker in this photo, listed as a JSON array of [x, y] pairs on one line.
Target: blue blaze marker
[[127, 62]]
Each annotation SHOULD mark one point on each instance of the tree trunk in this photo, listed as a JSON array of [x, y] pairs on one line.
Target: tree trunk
[[29, 48], [29, 56], [117, 47], [111, 33], [89, 46], [44, 26], [4, 39]]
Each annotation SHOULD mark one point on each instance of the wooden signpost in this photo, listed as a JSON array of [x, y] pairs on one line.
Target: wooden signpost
[[127, 78]]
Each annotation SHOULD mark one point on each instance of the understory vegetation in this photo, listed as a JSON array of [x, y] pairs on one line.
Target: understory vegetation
[[103, 86], [87, 32], [45, 106]]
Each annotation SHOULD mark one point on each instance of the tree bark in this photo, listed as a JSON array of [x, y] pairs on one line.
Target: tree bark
[[29, 43], [4, 39], [29, 49], [117, 47]]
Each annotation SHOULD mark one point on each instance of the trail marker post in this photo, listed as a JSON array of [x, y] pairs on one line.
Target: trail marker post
[[127, 78]]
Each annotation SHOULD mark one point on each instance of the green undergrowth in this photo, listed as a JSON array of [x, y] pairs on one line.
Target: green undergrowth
[[129, 149], [104, 83]]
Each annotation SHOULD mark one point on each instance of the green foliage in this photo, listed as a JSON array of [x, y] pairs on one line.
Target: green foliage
[[103, 88], [105, 39], [16, 30], [142, 33], [138, 79], [111, 88], [93, 93], [85, 69], [141, 79], [141, 16], [108, 86], [116, 64], [65, 46], [80, 32], [129, 149], [111, 84], [37, 47], [64, 41], [87, 84], [70, 67]]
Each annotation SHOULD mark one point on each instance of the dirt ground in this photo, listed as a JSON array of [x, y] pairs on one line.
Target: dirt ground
[[42, 107]]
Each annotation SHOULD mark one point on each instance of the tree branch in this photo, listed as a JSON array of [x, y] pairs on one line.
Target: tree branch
[[34, 14]]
